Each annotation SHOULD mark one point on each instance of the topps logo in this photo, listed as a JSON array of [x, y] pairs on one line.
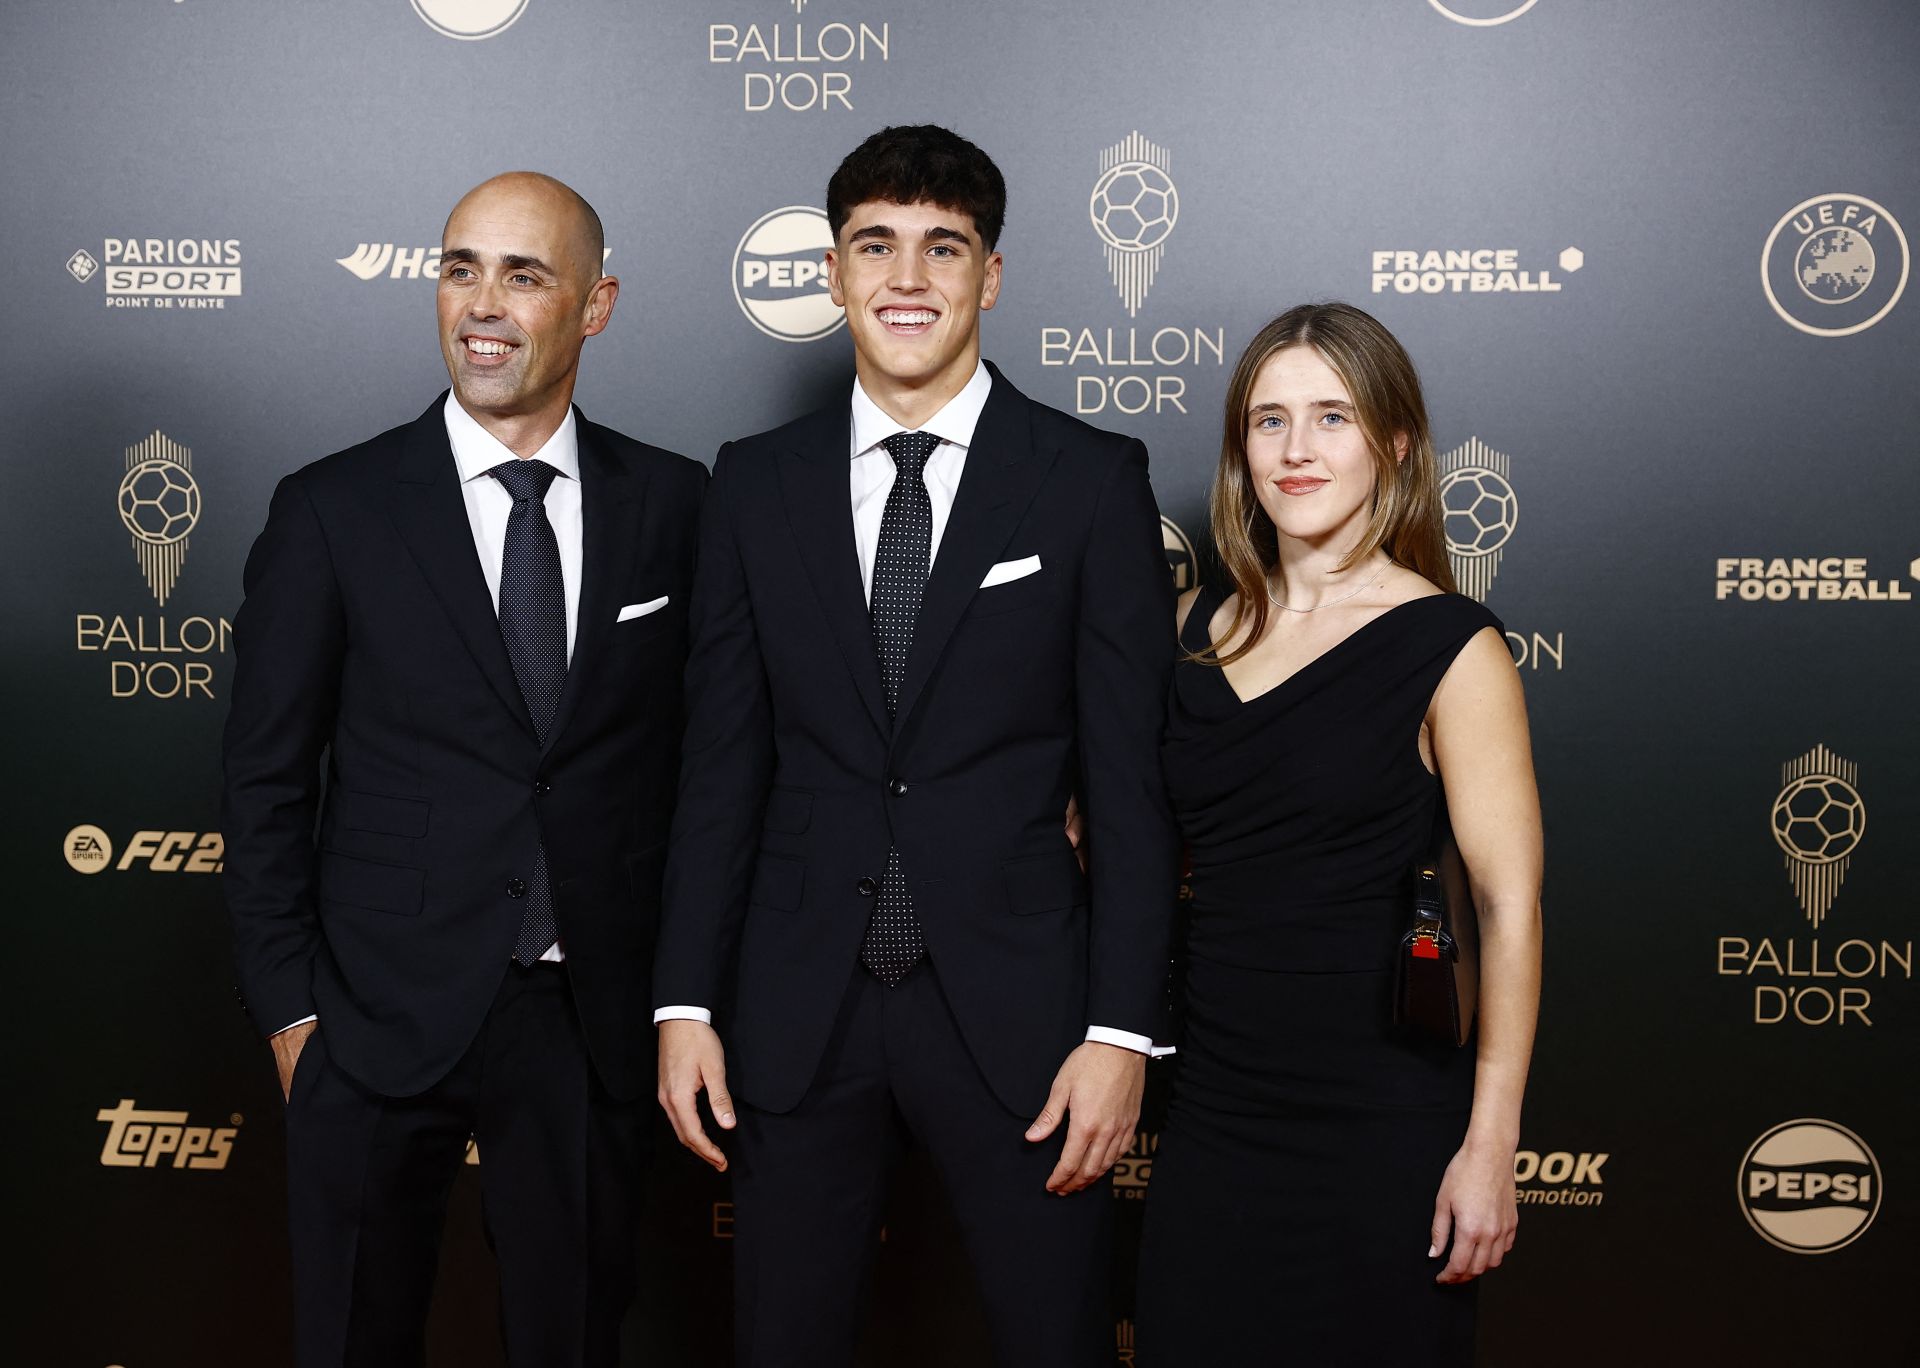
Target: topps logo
[[141, 1139]]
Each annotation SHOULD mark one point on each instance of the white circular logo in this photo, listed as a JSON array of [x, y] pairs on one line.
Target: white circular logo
[[1511, 13], [1481, 510], [1809, 1186], [159, 502], [87, 848], [1834, 265], [780, 280], [1180, 558], [1819, 818], [1134, 206], [469, 18]]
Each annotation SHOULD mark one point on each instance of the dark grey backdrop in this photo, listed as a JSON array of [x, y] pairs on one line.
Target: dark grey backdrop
[[1651, 408]]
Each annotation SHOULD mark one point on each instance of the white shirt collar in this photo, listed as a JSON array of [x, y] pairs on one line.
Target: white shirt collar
[[476, 451], [954, 423]]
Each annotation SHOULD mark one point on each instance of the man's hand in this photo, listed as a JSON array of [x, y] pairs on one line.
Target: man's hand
[[287, 1046], [692, 1058], [1077, 831], [1098, 1091]]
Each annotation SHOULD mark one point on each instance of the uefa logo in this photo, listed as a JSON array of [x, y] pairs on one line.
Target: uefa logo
[[1834, 265], [1485, 13], [1809, 1186], [1134, 207], [780, 279], [159, 504], [1819, 820], [1481, 512], [1180, 558], [469, 19]]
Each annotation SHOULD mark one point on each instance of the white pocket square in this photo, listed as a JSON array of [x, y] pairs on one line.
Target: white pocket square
[[1011, 570], [634, 610]]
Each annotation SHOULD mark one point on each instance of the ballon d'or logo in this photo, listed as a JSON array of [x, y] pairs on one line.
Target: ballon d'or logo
[[1134, 207], [1818, 819], [1481, 511], [159, 505]]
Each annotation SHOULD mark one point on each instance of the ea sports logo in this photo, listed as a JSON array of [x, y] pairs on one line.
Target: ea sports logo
[[159, 502], [1809, 1186], [1180, 557], [1480, 512], [1134, 207], [1834, 265], [780, 279], [469, 19], [1483, 13], [87, 849], [1818, 820]]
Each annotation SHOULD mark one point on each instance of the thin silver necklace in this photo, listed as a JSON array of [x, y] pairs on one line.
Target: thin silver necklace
[[1330, 602]]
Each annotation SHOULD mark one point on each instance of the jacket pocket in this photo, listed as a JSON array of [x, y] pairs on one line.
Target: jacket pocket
[[1044, 883], [362, 883], [777, 882], [377, 812]]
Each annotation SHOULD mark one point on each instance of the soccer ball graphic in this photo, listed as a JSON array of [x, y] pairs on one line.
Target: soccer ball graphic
[[1819, 819], [159, 502], [1134, 206], [1481, 510]]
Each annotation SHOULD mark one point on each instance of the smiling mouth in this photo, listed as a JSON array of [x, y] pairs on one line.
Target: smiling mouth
[[488, 351], [1299, 485], [908, 322]]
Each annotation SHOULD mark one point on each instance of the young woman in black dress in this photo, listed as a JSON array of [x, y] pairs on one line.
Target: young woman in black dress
[[1328, 1186]]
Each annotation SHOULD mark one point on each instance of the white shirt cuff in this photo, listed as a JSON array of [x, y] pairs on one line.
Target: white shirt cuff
[[1127, 1040], [700, 1014], [291, 1024]]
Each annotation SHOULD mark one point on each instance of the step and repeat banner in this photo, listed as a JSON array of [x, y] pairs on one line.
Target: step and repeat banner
[[1652, 260]]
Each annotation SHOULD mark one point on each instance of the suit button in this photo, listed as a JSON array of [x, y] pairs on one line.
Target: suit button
[[516, 888], [867, 887], [543, 787], [897, 787]]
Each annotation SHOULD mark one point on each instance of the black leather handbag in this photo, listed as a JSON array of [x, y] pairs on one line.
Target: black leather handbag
[[1437, 962]]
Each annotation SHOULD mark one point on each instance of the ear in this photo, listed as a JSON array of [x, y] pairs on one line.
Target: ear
[[1400, 448], [833, 277], [990, 288], [600, 301]]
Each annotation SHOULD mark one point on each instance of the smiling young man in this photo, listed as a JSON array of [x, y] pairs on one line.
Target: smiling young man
[[925, 617], [479, 621]]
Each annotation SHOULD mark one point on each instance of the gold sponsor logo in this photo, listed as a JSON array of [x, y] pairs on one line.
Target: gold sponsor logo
[[1819, 820], [1133, 1170], [808, 66], [1123, 1343], [89, 850], [142, 1139], [164, 273], [1134, 207], [1465, 270], [1809, 1186], [159, 506], [1481, 511], [1834, 265], [1805, 579], [1559, 1178], [780, 276]]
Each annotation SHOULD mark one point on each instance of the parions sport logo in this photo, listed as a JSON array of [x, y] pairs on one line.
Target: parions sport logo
[[1133, 1171], [163, 273], [469, 20], [780, 275], [143, 1139], [1834, 265], [1809, 1186]]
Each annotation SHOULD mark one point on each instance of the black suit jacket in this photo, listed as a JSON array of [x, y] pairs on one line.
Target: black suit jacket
[[794, 784], [368, 636]]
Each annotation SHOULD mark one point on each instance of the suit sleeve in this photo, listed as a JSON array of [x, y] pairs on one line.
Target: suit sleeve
[[1123, 663], [726, 763], [289, 641]]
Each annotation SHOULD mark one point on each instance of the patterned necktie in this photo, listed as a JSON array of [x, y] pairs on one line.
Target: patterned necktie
[[894, 940], [533, 622]]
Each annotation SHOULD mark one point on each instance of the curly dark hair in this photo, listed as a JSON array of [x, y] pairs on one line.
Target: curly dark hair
[[920, 164]]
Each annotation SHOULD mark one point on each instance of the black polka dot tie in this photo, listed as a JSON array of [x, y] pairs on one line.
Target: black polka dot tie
[[533, 622], [894, 940]]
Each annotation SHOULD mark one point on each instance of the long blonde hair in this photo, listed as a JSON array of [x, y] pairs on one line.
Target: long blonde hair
[[1406, 516]]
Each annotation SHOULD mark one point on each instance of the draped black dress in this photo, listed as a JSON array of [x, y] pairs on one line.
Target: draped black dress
[[1292, 1193]]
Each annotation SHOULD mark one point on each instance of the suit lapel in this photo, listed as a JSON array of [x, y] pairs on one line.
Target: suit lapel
[[610, 497], [814, 483], [431, 517], [1002, 474]]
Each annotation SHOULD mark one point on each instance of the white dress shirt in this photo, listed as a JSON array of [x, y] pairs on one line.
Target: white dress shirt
[[870, 480], [475, 452]]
